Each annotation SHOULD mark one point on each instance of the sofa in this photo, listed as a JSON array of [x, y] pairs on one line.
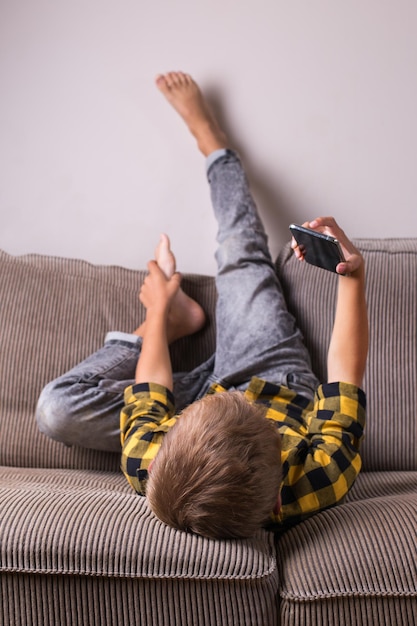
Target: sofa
[[79, 547]]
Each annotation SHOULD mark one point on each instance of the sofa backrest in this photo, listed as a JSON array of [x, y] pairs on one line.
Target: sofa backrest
[[53, 313], [391, 374]]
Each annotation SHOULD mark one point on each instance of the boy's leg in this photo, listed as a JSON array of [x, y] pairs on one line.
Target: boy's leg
[[256, 335], [82, 407]]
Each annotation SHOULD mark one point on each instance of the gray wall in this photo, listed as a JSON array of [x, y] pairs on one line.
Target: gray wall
[[319, 96]]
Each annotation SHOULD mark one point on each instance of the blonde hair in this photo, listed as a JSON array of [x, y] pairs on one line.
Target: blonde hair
[[218, 470]]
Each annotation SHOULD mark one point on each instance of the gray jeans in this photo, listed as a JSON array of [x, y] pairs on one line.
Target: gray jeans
[[256, 335]]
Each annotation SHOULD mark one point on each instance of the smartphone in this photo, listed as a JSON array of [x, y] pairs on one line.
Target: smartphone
[[318, 249]]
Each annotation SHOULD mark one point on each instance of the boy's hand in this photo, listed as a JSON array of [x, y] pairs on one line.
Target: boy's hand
[[157, 291], [156, 294], [328, 226]]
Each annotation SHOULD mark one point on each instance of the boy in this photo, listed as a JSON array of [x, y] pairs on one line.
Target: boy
[[221, 469]]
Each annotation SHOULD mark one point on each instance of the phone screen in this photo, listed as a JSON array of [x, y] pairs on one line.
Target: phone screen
[[321, 250]]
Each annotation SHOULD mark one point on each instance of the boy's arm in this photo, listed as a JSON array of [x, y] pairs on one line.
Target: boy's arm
[[157, 292], [348, 347], [146, 417], [321, 458]]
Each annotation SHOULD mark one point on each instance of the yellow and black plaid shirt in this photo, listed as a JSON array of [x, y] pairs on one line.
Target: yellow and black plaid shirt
[[320, 439]]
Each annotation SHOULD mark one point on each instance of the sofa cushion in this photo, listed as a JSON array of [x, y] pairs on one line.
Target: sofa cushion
[[355, 564], [54, 313], [390, 380], [71, 523]]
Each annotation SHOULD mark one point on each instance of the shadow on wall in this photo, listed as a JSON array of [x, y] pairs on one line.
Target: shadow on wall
[[276, 210]]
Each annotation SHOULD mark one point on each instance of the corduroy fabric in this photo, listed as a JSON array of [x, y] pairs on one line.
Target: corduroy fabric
[[362, 611], [354, 564], [86, 523], [55, 312], [383, 484], [391, 374], [81, 601]]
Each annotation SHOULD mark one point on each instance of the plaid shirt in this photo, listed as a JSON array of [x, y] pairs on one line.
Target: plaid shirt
[[320, 439]]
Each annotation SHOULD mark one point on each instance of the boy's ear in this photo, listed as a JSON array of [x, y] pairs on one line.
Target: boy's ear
[[150, 466], [277, 506]]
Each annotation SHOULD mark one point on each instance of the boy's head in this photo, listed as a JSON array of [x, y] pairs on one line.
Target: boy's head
[[218, 471]]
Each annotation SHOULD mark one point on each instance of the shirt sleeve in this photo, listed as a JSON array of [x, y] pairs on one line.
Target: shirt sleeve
[[321, 458], [146, 417]]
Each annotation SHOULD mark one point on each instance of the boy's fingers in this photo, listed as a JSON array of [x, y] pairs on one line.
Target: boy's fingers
[[297, 249], [322, 223], [153, 267], [174, 283], [154, 271], [350, 265], [176, 278]]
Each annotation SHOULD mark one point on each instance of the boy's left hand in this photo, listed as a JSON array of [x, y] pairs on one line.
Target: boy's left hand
[[157, 291], [329, 226]]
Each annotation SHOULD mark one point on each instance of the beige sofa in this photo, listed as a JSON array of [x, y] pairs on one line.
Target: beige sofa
[[78, 547]]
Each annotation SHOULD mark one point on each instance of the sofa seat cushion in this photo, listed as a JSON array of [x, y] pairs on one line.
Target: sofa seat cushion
[[350, 561], [92, 523]]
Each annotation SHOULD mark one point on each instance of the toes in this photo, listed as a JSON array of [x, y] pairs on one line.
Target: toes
[[173, 79], [165, 257], [161, 82], [163, 247], [170, 79]]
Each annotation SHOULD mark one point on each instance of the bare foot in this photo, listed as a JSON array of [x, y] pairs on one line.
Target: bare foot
[[164, 256], [186, 98], [185, 316]]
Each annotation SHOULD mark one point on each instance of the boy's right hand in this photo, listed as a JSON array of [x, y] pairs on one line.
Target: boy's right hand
[[157, 291]]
